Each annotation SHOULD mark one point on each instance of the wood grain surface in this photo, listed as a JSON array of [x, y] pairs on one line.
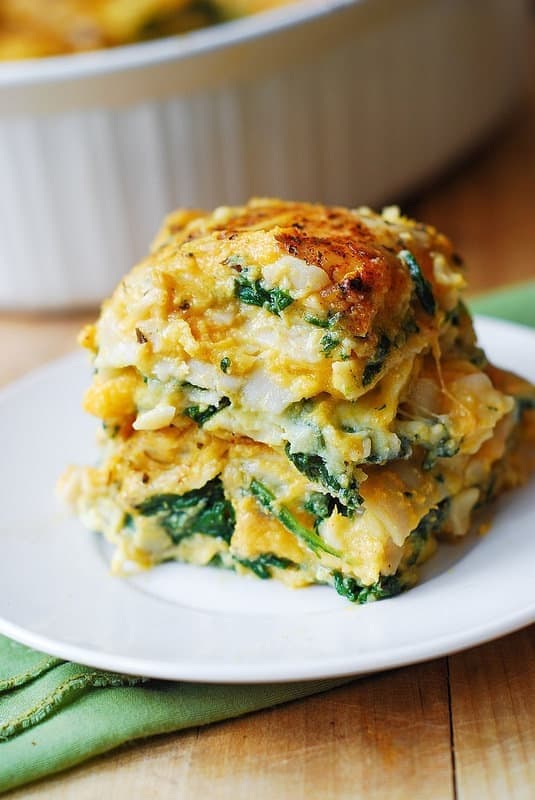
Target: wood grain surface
[[459, 727]]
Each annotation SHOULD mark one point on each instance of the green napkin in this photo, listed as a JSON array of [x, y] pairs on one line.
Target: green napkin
[[515, 303], [55, 714]]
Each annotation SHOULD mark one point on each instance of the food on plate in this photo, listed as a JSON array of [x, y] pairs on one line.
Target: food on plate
[[296, 391], [33, 28]]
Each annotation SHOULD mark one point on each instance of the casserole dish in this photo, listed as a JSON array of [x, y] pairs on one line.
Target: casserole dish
[[342, 101]]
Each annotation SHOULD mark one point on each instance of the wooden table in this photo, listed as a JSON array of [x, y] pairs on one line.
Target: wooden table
[[457, 727]]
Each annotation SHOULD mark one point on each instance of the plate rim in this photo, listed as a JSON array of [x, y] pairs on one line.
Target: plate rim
[[252, 674]]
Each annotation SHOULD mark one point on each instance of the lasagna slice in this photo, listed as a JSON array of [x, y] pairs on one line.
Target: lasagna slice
[[295, 391]]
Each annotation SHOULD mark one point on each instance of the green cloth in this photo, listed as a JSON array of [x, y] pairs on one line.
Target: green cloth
[[515, 303], [55, 714]]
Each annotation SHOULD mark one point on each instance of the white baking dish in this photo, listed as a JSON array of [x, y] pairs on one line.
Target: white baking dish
[[343, 101]]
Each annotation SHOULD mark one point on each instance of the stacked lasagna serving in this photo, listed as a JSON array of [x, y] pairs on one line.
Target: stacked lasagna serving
[[295, 391]]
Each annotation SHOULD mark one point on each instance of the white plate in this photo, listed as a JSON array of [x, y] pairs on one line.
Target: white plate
[[183, 622]]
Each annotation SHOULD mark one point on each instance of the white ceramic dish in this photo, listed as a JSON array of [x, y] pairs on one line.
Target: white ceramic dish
[[341, 101], [182, 622]]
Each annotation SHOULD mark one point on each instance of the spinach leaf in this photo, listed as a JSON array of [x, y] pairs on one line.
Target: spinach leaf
[[203, 510], [266, 498], [254, 294], [261, 565], [128, 522], [315, 468], [423, 289], [322, 506], [201, 416], [356, 592], [431, 523], [375, 365], [445, 448], [217, 561]]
